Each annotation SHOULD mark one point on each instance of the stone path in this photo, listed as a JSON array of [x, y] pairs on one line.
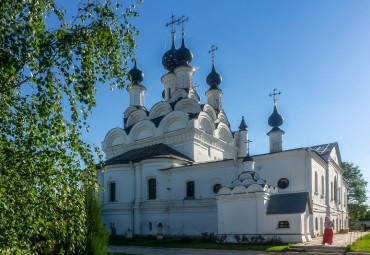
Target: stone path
[[313, 247]]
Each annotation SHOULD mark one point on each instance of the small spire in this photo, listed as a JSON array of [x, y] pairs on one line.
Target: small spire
[[181, 21], [243, 126], [275, 94], [172, 24], [212, 52], [275, 119]]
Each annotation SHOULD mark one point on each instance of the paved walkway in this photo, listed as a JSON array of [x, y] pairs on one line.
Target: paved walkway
[[313, 247]]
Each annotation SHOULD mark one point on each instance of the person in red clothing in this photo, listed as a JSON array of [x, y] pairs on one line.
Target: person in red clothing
[[328, 232]]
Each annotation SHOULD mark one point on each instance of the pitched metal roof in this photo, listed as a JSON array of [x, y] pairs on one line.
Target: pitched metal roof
[[324, 149], [288, 203], [154, 151]]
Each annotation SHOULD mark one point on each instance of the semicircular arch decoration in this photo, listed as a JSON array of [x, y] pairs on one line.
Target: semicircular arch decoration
[[114, 137], [160, 109], [136, 116], [173, 121], [187, 105], [142, 129]]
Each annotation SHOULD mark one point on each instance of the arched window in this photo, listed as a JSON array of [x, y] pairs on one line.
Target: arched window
[[316, 184], [112, 192], [152, 188], [322, 185], [190, 189]]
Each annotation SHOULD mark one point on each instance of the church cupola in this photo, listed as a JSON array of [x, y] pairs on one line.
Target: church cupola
[[183, 56], [213, 80], [168, 59], [136, 76], [275, 121], [136, 90], [241, 138]]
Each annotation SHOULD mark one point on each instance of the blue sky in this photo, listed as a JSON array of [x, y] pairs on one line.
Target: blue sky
[[317, 53]]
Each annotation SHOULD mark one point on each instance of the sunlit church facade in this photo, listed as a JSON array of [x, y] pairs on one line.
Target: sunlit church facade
[[181, 167]]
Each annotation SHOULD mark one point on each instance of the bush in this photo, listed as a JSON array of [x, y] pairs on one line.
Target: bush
[[237, 238], [245, 239], [97, 236], [220, 239], [208, 238], [274, 241]]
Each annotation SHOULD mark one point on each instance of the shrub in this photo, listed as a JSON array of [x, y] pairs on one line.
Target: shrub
[[220, 239], [237, 238], [208, 238], [245, 239], [274, 241], [97, 236]]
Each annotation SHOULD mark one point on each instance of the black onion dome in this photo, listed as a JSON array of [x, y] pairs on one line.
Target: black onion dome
[[275, 119], [214, 78], [168, 59], [248, 158], [243, 126], [183, 55], [136, 76]]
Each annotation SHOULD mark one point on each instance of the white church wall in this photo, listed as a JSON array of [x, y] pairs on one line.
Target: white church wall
[[123, 177], [237, 214], [121, 217], [318, 175], [294, 233], [288, 164]]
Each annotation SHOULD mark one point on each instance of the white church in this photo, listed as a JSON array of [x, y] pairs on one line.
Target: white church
[[179, 167]]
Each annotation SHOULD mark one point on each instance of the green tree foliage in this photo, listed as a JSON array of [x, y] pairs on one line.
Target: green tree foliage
[[50, 64], [97, 236], [357, 206]]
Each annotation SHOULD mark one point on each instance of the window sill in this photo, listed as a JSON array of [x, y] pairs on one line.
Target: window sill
[[189, 198], [316, 193]]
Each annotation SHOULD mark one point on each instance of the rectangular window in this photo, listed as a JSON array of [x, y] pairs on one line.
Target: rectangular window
[[152, 188], [112, 192], [316, 184], [331, 191], [190, 189], [283, 224], [322, 185]]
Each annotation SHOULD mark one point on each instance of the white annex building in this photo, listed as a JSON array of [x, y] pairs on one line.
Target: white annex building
[[180, 167]]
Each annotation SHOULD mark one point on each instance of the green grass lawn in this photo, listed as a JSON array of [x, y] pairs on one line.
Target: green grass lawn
[[361, 245], [197, 243]]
